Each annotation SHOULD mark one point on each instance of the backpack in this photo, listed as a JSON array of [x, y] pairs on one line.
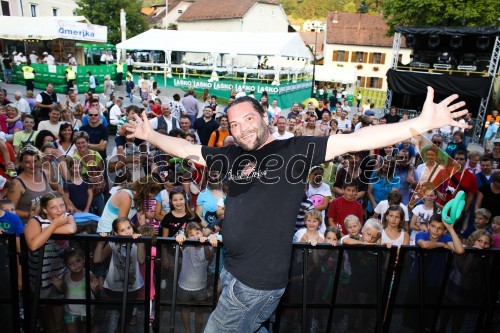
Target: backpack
[[96, 81]]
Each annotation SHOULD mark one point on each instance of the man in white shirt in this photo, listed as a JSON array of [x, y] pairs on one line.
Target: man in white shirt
[[344, 123], [130, 63], [21, 104], [346, 107], [116, 111], [165, 121], [22, 58], [104, 59], [49, 59], [274, 108], [71, 60], [15, 58], [281, 133], [109, 57], [33, 57], [53, 123]]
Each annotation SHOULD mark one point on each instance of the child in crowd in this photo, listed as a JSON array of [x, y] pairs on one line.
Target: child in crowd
[[305, 206], [370, 234], [73, 286], [310, 234], [495, 232], [422, 213], [162, 207], [147, 231], [193, 276], [173, 223], [115, 278], [393, 233], [318, 192], [344, 206], [7, 206], [76, 190], [482, 219], [394, 198], [333, 235], [352, 225], [466, 282], [52, 219], [437, 237]]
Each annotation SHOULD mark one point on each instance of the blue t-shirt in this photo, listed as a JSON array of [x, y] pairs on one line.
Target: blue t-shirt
[[425, 236], [11, 223], [209, 204], [381, 189]]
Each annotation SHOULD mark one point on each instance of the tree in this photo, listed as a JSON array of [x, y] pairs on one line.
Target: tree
[[108, 13], [439, 13]]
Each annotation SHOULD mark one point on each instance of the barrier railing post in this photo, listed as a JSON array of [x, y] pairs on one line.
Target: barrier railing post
[[147, 285], [88, 295], [36, 292], [421, 290], [216, 277], [174, 288], [336, 280], [305, 259], [398, 263], [158, 276], [125, 287], [13, 276]]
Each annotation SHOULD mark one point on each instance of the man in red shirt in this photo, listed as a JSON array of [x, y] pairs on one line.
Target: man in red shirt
[[343, 206]]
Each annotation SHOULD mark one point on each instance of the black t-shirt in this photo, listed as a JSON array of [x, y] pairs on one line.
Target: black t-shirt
[[490, 200], [392, 118], [205, 129], [7, 63], [319, 113], [96, 134], [46, 100], [259, 222], [174, 224]]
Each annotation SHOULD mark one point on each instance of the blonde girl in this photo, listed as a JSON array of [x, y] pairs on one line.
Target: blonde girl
[[310, 234]]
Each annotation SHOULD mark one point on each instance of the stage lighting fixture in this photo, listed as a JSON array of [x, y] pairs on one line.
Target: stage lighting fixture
[[410, 40]]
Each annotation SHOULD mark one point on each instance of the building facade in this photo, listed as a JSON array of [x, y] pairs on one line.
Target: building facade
[[357, 45], [36, 8]]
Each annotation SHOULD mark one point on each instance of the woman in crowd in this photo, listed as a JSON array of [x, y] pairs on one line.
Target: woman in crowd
[[30, 98], [334, 127], [427, 171], [14, 123], [86, 102], [354, 122], [92, 167], [128, 201], [109, 86], [31, 184], [382, 182], [457, 143], [65, 142], [488, 196], [43, 137], [68, 117]]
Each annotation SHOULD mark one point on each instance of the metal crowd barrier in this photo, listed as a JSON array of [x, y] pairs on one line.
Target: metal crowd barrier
[[331, 289]]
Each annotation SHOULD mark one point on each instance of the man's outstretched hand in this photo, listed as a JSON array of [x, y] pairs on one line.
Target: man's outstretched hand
[[138, 128], [437, 115]]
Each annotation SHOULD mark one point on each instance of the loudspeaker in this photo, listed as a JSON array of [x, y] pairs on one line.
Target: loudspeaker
[[434, 41], [410, 40], [456, 42], [483, 42]]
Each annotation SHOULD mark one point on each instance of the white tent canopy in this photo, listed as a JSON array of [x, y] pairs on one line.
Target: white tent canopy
[[241, 43], [52, 27]]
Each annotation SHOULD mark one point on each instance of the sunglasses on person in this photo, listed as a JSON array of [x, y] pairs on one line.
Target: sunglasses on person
[[93, 115], [437, 142]]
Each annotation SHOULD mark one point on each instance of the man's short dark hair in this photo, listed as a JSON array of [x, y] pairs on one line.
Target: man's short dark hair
[[177, 133], [213, 96], [176, 97], [134, 108], [247, 99], [351, 184], [460, 152], [486, 159]]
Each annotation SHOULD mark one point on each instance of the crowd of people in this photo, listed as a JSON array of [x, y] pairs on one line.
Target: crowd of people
[[55, 169]]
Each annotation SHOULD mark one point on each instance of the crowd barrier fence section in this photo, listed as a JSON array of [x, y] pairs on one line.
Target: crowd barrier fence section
[[331, 289]]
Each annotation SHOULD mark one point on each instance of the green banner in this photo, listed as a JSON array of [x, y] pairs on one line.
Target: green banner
[[227, 85]]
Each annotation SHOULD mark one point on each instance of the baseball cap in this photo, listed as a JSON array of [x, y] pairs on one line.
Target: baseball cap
[[44, 53], [240, 94], [497, 140]]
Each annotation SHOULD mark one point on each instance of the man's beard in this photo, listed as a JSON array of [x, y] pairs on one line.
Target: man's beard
[[261, 136]]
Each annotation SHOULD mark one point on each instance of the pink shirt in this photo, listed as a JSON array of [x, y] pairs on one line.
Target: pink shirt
[[142, 268]]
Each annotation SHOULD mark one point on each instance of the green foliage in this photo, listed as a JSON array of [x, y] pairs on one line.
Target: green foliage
[[107, 13], [318, 9], [439, 13]]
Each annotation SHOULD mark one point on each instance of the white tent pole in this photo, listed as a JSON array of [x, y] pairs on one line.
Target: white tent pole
[[123, 27]]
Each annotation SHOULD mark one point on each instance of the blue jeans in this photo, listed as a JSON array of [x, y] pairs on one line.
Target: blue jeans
[[7, 75], [192, 117], [131, 96], [240, 308]]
